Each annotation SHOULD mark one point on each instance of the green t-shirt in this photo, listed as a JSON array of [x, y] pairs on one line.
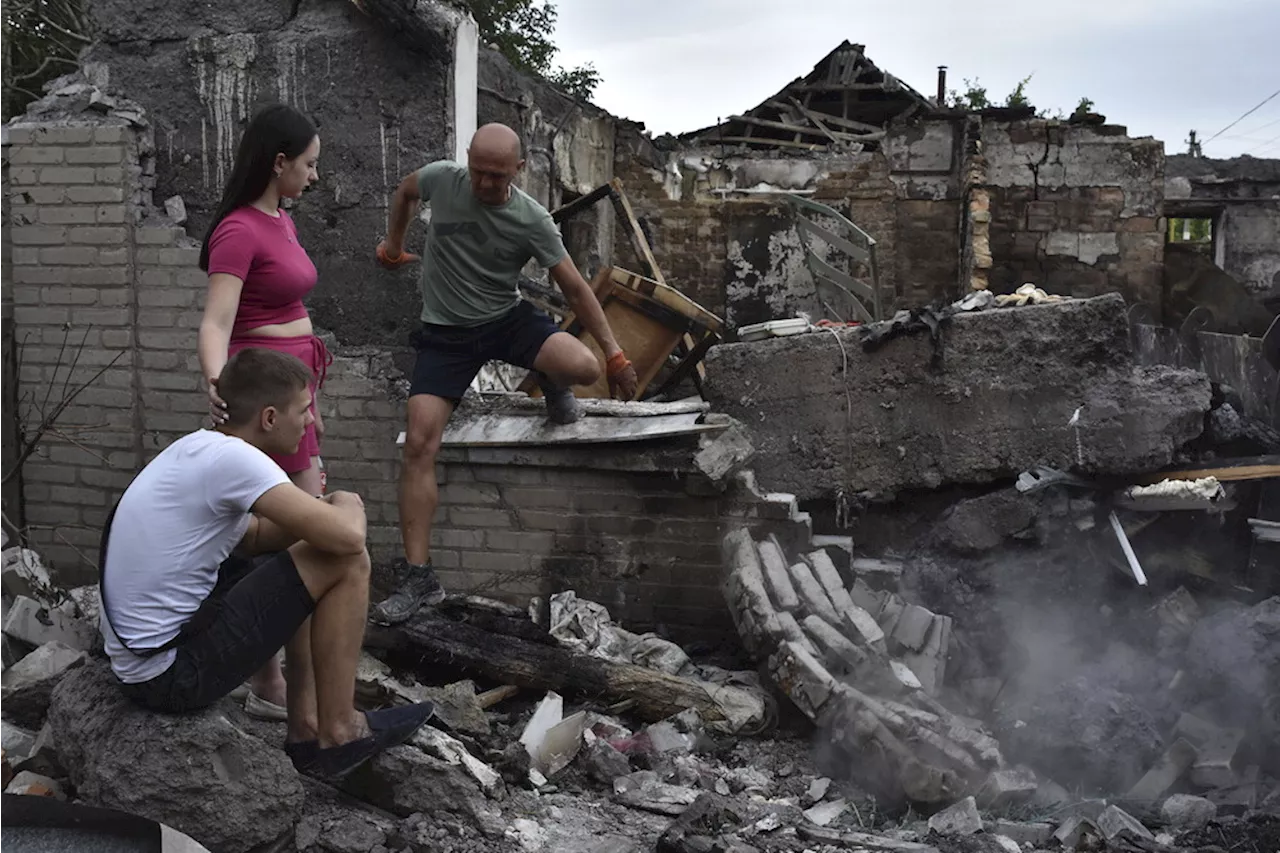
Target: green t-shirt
[[475, 252]]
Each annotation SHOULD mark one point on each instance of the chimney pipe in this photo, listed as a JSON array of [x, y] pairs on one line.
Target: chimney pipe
[[942, 86]]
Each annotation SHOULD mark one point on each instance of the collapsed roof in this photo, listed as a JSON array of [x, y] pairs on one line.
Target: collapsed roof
[[845, 100]]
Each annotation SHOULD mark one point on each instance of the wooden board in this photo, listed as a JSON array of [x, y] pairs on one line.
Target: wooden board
[[514, 430], [1258, 468]]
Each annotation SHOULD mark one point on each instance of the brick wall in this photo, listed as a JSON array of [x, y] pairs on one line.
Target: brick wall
[[88, 257], [1075, 210]]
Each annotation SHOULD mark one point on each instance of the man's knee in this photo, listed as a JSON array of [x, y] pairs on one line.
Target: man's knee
[[587, 369], [422, 445]]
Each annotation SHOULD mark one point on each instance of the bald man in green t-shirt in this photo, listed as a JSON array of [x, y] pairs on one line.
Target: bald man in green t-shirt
[[483, 231]]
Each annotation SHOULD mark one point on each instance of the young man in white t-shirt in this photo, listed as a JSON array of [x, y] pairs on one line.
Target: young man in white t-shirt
[[213, 560]]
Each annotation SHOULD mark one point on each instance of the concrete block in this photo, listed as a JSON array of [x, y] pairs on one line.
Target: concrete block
[[890, 612], [1170, 767], [35, 785], [868, 599], [930, 663], [1035, 834], [33, 623], [26, 686], [777, 577], [1075, 831], [1115, 822], [802, 678], [17, 742], [1218, 764], [22, 573], [1010, 787], [862, 626], [1178, 611], [1240, 798], [844, 657], [959, 819], [878, 574], [790, 631], [824, 569], [813, 599], [912, 628]]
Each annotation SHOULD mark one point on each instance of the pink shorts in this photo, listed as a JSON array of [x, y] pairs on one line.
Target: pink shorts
[[312, 352]]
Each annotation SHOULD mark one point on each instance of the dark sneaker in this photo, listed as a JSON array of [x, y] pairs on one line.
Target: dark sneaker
[[416, 587], [562, 407], [389, 727]]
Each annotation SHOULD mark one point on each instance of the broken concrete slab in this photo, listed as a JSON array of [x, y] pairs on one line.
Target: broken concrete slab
[[35, 785], [823, 814], [1034, 834], [1218, 763], [980, 524], [860, 624], [824, 569], [959, 819], [930, 663], [870, 600], [878, 574], [1076, 831], [912, 628], [1171, 767], [199, 773], [1182, 812], [813, 599], [34, 623], [404, 781], [26, 687], [1001, 416], [722, 454], [1007, 788], [801, 677], [1115, 822], [777, 577], [22, 574], [17, 742], [604, 763], [439, 745]]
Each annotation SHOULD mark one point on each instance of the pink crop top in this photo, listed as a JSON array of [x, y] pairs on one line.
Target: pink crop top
[[263, 252]]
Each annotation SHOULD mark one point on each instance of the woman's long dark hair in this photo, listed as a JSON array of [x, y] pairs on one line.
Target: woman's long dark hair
[[277, 129]]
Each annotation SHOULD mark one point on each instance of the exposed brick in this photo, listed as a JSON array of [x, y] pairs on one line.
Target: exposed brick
[[100, 317], [20, 134], [529, 541], [468, 517], [36, 155], [171, 381], [47, 512], [161, 236], [40, 315], [68, 296], [67, 215], [99, 154], [43, 195], [37, 235], [536, 519], [194, 279], [109, 134], [94, 195], [48, 472], [98, 236], [24, 256], [77, 496], [166, 340], [69, 255], [109, 214], [110, 175], [67, 175], [117, 339], [489, 561], [466, 494], [74, 135], [113, 257], [503, 474], [118, 275], [24, 175], [162, 361], [535, 498], [40, 275], [460, 539]]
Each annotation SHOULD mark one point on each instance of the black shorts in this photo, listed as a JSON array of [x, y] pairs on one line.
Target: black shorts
[[258, 604], [449, 357]]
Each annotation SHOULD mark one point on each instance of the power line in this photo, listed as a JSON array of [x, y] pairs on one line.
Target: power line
[[1243, 117], [1262, 145]]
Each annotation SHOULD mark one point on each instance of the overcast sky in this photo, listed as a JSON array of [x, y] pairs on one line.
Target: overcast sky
[[1161, 67]]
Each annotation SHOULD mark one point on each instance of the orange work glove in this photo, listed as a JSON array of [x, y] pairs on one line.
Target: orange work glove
[[394, 263]]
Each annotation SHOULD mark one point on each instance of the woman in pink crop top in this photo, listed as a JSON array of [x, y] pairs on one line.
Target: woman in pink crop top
[[258, 276]]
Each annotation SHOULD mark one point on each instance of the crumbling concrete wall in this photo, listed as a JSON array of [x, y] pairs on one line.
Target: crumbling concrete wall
[[200, 71], [1242, 196], [1075, 210], [831, 419], [723, 233]]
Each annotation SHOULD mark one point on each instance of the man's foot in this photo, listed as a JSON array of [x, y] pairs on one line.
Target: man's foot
[[562, 407], [387, 728], [262, 709], [416, 587]]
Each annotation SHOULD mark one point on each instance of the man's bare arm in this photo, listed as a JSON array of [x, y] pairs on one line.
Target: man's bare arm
[[404, 206], [264, 536], [337, 525], [582, 299]]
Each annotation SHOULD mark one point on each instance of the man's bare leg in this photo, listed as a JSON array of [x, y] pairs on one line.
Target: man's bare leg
[[565, 360], [304, 719], [415, 579], [332, 639], [269, 682]]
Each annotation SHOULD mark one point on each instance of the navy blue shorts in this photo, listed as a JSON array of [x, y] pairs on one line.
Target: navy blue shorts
[[449, 357], [258, 604]]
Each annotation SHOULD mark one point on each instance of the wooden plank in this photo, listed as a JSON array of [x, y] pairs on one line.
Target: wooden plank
[[593, 407], [580, 204], [838, 87], [838, 121], [1259, 471], [669, 296], [641, 244], [813, 117], [534, 429], [781, 143], [789, 128]]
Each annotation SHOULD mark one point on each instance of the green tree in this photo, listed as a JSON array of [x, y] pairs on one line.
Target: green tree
[[522, 30], [42, 40]]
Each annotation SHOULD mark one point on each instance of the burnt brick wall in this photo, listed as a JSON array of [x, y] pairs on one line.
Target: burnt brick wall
[[1075, 210]]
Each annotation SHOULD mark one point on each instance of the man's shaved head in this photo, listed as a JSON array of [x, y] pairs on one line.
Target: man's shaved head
[[496, 141], [493, 161]]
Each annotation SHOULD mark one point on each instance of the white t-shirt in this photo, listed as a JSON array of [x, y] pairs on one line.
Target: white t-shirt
[[176, 523]]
